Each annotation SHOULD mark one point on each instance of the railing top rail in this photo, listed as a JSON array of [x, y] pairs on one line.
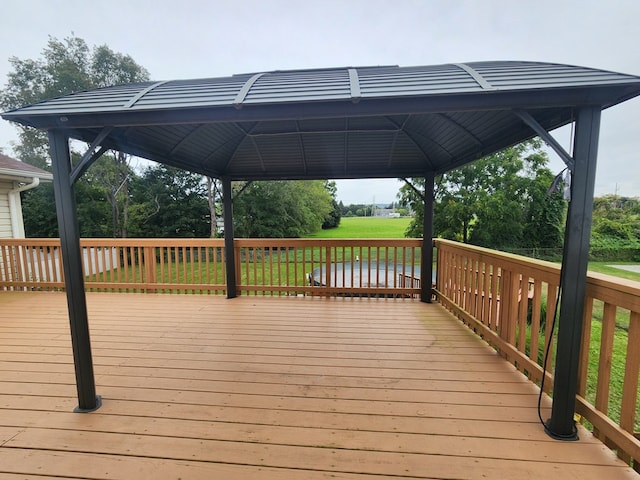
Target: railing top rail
[[512, 258], [374, 242], [381, 242], [622, 285]]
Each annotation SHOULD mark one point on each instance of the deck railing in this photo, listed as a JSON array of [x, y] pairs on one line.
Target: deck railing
[[263, 266], [510, 300]]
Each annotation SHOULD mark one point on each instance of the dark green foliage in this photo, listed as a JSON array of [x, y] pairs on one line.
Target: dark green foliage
[[498, 202], [332, 219], [615, 233], [168, 202], [279, 209], [94, 211], [334, 216], [39, 212]]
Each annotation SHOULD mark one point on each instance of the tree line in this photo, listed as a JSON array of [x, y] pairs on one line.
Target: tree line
[[165, 202]]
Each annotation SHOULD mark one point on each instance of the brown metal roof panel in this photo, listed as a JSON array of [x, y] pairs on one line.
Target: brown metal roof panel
[[108, 97], [274, 127], [539, 71], [401, 91], [191, 93], [420, 87], [563, 83], [285, 93], [178, 102], [165, 137], [402, 75], [284, 97], [271, 81], [372, 123], [316, 157], [322, 124], [171, 89], [408, 151], [424, 83], [91, 103], [297, 86]]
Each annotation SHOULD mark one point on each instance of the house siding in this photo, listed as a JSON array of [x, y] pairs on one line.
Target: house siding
[[5, 219]]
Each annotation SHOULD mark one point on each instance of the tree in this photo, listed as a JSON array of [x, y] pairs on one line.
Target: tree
[[280, 209], [616, 222], [39, 213], [67, 66], [499, 201], [333, 218], [94, 216], [169, 202], [214, 193]]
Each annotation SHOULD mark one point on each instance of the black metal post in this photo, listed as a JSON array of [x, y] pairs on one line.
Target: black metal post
[[561, 425], [426, 268], [88, 401], [229, 247]]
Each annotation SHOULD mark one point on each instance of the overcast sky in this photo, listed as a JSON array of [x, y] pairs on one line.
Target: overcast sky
[[210, 38]]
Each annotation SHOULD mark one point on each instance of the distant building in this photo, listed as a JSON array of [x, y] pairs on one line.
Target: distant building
[[385, 212], [16, 177]]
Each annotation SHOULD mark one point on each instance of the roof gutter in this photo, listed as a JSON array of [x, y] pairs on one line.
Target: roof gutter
[[26, 174], [15, 212]]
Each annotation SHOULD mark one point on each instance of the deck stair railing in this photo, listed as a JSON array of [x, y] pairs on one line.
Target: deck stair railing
[[510, 301]]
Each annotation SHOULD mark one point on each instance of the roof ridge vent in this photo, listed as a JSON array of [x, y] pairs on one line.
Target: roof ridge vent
[[142, 93], [480, 80], [244, 91], [354, 85]]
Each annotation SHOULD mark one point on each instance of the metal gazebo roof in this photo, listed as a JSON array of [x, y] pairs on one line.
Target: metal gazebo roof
[[360, 122], [340, 123]]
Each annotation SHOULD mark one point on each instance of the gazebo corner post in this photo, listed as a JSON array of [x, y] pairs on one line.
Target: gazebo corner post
[[561, 425], [229, 243], [426, 267], [71, 255]]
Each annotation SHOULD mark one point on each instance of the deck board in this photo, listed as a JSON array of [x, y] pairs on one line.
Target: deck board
[[271, 388]]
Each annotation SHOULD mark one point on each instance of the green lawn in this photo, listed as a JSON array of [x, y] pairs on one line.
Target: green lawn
[[366, 227]]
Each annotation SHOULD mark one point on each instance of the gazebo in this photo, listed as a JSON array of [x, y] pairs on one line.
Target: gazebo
[[353, 122]]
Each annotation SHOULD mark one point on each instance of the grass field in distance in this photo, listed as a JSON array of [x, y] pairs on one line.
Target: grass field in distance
[[366, 227]]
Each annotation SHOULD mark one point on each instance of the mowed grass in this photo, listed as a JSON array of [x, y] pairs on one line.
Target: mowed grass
[[366, 227]]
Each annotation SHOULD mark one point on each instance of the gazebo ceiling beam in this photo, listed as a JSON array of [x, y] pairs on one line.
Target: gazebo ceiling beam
[[527, 118], [91, 155]]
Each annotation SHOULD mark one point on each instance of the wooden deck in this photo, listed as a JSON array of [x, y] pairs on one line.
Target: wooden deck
[[271, 388]]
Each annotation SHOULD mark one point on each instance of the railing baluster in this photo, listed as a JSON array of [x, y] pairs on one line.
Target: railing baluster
[[536, 307], [629, 406], [604, 361], [522, 313], [583, 372], [552, 300]]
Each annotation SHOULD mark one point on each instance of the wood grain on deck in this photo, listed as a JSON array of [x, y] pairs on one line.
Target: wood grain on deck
[[271, 388]]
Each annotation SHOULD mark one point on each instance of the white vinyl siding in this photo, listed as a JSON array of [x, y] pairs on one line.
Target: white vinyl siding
[[5, 219]]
